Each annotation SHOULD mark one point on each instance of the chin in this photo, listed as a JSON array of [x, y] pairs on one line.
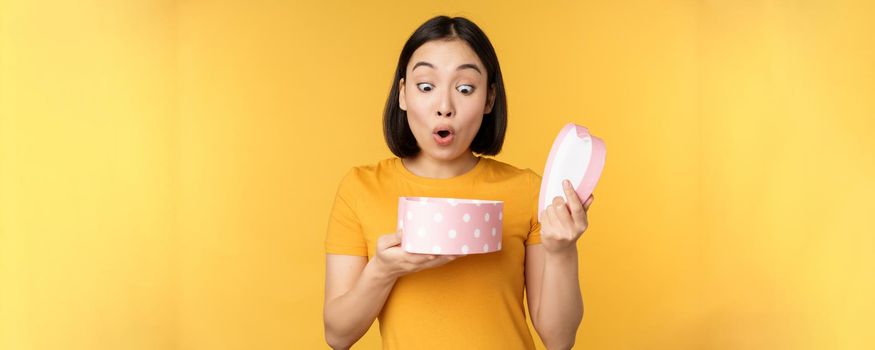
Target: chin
[[443, 154]]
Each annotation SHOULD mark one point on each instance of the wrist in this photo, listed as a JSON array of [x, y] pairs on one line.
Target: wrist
[[381, 271], [562, 254]]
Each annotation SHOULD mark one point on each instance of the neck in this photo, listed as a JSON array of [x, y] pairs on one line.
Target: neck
[[425, 166]]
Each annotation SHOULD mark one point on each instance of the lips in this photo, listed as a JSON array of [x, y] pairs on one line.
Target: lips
[[443, 135], [444, 130]]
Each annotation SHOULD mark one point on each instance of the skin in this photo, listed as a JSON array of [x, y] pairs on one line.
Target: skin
[[552, 283], [447, 84]]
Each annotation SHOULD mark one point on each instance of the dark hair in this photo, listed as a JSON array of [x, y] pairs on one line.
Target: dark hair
[[490, 137]]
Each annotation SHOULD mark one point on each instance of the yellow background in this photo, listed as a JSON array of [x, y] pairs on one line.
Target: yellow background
[[167, 167]]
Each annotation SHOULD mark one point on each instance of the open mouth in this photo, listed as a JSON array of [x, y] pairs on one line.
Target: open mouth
[[444, 135]]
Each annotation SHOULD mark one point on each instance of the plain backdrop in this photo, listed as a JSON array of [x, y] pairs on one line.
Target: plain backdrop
[[167, 167]]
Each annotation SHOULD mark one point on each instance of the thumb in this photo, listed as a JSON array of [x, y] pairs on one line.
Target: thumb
[[389, 240]]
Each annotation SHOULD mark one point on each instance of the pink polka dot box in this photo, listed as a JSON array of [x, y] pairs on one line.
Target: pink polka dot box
[[432, 225]]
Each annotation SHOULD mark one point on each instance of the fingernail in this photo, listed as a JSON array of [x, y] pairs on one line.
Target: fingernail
[[566, 183]]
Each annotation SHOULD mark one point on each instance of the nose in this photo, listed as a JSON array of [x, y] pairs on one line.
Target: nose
[[445, 108]]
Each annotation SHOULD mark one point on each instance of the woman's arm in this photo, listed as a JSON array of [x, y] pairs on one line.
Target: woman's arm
[[552, 281], [355, 292], [553, 292], [356, 289]]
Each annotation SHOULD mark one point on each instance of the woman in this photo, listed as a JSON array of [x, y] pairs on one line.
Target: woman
[[445, 111]]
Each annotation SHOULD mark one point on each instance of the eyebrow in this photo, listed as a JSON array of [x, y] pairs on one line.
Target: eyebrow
[[460, 67]]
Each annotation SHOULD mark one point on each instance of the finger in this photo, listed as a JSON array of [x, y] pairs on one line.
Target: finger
[[588, 202], [389, 240], [559, 202], [451, 258], [574, 203], [563, 216], [552, 214], [448, 258], [427, 261], [543, 218], [417, 258], [441, 260], [558, 207]]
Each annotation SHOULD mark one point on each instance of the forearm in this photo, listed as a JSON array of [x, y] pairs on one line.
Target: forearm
[[561, 305], [348, 317]]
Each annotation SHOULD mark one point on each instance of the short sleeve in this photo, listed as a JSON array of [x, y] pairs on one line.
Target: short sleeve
[[534, 236], [344, 235]]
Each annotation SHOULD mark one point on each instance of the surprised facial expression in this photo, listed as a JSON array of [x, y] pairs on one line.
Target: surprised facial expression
[[445, 94]]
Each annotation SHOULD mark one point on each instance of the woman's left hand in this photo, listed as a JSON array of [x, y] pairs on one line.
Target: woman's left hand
[[562, 224]]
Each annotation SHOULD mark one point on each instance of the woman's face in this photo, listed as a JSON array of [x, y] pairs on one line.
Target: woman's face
[[445, 96]]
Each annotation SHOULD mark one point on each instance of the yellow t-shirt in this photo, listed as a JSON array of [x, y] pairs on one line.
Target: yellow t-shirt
[[474, 302]]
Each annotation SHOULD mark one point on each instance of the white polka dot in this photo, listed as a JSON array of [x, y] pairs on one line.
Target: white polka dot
[[409, 247], [477, 233], [493, 232], [438, 217], [400, 223], [422, 232], [486, 217], [436, 249], [465, 249], [409, 215], [423, 201], [452, 234], [499, 216], [453, 202], [499, 245], [477, 202], [466, 217], [486, 247]]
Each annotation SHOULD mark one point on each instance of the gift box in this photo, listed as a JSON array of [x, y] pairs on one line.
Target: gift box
[[450, 226], [576, 155]]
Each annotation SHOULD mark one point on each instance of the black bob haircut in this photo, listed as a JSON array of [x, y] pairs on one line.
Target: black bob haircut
[[490, 137]]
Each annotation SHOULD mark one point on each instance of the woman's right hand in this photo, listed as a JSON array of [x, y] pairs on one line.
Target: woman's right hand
[[395, 262]]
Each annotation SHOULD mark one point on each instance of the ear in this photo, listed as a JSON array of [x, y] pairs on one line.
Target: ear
[[490, 100], [402, 103]]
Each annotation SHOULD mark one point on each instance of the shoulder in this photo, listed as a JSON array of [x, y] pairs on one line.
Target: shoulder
[[507, 171], [363, 175]]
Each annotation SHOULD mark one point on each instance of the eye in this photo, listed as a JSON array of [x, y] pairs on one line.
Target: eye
[[424, 87], [465, 89]]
